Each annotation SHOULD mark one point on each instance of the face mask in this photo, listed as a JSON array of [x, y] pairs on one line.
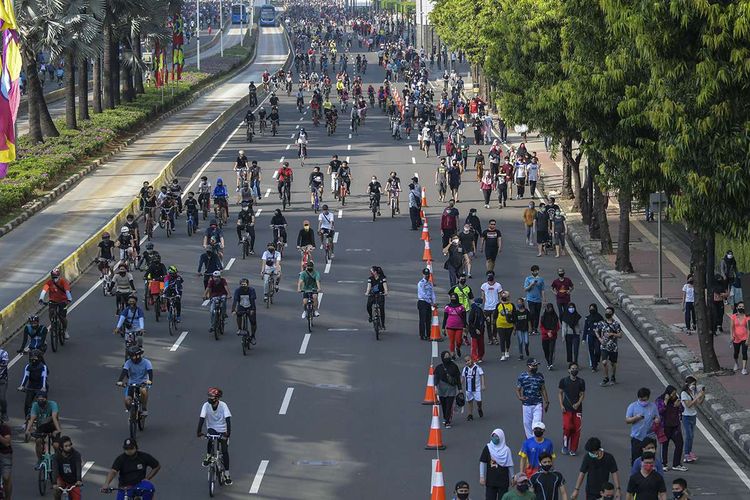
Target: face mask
[[676, 494], [535, 273], [34, 361], [531, 206], [647, 467], [533, 370], [571, 310], [122, 273], [561, 275], [592, 311], [463, 282], [730, 256], [465, 496], [495, 440], [42, 403], [593, 455], [574, 372], [546, 468], [539, 433], [643, 403], [306, 227], [608, 497], [609, 315], [523, 487], [741, 310]]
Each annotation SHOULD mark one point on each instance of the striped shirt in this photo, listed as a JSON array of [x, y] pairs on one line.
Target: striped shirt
[[473, 376]]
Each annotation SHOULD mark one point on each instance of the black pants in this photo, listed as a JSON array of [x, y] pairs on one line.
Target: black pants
[[636, 448], [572, 342], [250, 234], [532, 188], [425, 318], [251, 317], [740, 346], [502, 193], [416, 220], [380, 298], [505, 337], [595, 350], [487, 194], [446, 234], [718, 315], [446, 404], [224, 448], [548, 346], [520, 188], [673, 434], [490, 318], [494, 492], [535, 310], [453, 274]]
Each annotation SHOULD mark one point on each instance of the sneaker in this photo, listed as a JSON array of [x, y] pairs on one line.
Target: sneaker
[[572, 453], [316, 314], [520, 357], [227, 478], [177, 319], [252, 339], [481, 413], [369, 320], [67, 336], [666, 468], [206, 460], [448, 425], [612, 381], [680, 468], [304, 314], [551, 367], [565, 450], [690, 457], [744, 371], [604, 383], [736, 367], [144, 413], [470, 417]]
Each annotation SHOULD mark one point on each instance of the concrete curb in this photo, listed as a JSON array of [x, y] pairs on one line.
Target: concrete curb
[[12, 316]]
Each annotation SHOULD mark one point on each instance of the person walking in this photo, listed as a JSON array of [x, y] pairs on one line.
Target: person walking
[[670, 414], [529, 215], [739, 324], [425, 302], [448, 384], [467, 239], [547, 483], [559, 228], [688, 304], [597, 467], [570, 322], [646, 484], [590, 337], [454, 322], [522, 328], [506, 321], [415, 205], [490, 299], [649, 445], [550, 326], [609, 332], [691, 398], [472, 377], [449, 223], [520, 488], [492, 244], [533, 447], [532, 393], [641, 415], [487, 185], [496, 466], [572, 391], [541, 222], [475, 326], [455, 259], [534, 286], [562, 287]]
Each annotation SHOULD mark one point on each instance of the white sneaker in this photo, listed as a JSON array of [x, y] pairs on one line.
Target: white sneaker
[[736, 367], [316, 313], [304, 314], [67, 336], [744, 371]]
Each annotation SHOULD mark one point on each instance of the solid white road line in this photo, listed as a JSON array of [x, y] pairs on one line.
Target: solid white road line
[[343, 329], [268, 192], [229, 264], [350, 136], [341, 214], [328, 268], [86, 467], [301, 119], [286, 401], [83, 297], [413, 160], [255, 487], [14, 360], [178, 342], [336, 236], [347, 159], [348, 147], [281, 160], [291, 136], [275, 174], [296, 126], [305, 341]]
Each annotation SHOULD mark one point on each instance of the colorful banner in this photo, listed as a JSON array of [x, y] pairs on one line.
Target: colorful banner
[[10, 91]]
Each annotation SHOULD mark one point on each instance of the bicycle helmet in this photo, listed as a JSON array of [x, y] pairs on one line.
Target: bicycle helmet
[[149, 246], [215, 392], [216, 274], [134, 351], [55, 272], [124, 230], [105, 235], [33, 318], [35, 353], [172, 270]]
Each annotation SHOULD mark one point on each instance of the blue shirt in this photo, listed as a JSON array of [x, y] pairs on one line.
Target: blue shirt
[[531, 387], [659, 467], [641, 429], [531, 449], [535, 293], [425, 291], [220, 191], [137, 372]]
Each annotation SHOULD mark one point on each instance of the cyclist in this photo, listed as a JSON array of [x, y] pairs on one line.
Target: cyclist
[[333, 170], [105, 257], [139, 371], [266, 77], [143, 195], [125, 243], [218, 419], [316, 186], [274, 99], [250, 119], [243, 303], [35, 334], [204, 192], [43, 419], [309, 285], [262, 118], [34, 378], [306, 237], [163, 194], [221, 196], [393, 186], [217, 287], [175, 190], [255, 178], [66, 469], [211, 262], [147, 256], [354, 118], [192, 208], [168, 208], [377, 289], [300, 99], [149, 203], [156, 271], [246, 223], [253, 93], [374, 189], [173, 285], [123, 285], [271, 263], [274, 117], [213, 232], [284, 175], [302, 143], [240, 169], [131, 467], [58, 290], [135, 232], [345, 175], [326, 227], [130, 320], [278, 222]]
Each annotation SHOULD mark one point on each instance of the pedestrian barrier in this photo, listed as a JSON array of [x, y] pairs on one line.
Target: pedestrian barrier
[[430, 397], [435, 437], [427, 254], [437, 490]]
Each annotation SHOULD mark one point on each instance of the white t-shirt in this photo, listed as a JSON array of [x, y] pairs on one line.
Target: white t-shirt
[[326, 221], [276, 256], [688, 412], [689, 292], [533, 171], [216, 419], [491, 295]]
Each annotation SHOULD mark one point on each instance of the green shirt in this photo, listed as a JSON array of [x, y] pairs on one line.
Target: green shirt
[[513, 494], [309, 281], [464, 295]]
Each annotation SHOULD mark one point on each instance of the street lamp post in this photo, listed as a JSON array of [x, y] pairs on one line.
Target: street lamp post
[[198, 30], [221, 27]]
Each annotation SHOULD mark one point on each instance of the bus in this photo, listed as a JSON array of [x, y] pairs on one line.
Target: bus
[[267, 16], [239, 13]]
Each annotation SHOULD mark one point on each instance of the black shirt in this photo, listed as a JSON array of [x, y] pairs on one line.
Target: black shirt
[[497, 475], [647, 487], [67, 467], [522, 320], [598, 471], [106, 249], [467, 241], [191, 204], [133, 469], [547, 484], [491, 238], [376, 284], [542, 222], [571, 392], [455, 256]]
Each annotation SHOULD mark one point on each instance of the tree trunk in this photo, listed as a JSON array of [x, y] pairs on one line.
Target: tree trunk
[[622, 262], [116, 84], [601, 200], [566, 146], [575, 170], [34, 90], [705, 335], [83, 89], [45, 119], [137, 72], [97, 90], [70, 90], [585, 209], [108, 73], [127, 80]]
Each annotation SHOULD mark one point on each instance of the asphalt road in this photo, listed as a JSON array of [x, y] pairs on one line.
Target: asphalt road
[[352, 425], [27, 254]]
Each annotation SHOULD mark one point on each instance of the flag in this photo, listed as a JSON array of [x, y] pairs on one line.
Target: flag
[[10, 91]]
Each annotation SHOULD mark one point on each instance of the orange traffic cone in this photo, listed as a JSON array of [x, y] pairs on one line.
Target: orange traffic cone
[[425, 231], [424, 197], [435, 327], [427, 254], [430, 397], [435, 438], [437, 490], [429, 266]]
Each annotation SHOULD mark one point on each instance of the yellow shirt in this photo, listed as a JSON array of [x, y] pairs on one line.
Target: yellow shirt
[[528, 216], [504, 314]]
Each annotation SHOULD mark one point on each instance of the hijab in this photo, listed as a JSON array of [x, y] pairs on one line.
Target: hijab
[[549, 319], [449, 368], [571, 319], [500, 452], [594, 316]]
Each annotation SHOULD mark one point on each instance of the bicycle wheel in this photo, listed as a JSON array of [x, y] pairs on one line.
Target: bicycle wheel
[[374, 211], [53, 338], [267, 290], [190, 226], [211, 480], [172, 321], [133, 423], [393, 208], [216, 324], [61, 336], [328, 253], [376, 320], [157, 308], [42, 479], [245, 248], [168, 228], [141, 422]]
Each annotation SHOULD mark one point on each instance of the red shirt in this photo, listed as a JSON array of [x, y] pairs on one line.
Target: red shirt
[[284, 173], [56, 292], [561, 285]]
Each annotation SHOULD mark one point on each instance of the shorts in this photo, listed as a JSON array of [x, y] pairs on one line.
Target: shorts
[[130, 391], [542, 237], [6, 464], [610, 356], [474, 396], [560, 238]]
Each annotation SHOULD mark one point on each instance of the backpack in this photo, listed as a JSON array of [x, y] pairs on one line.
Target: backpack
[[447, 220]]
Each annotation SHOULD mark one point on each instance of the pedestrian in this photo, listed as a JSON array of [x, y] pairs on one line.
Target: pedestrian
[[570, 321], [532, 174], [66, 469], [597, 467], [496, 466], [6, 459], [476, 226], [415, 205], [608, 332], [476, 323], [572, 391], [448, 383], [550, 326], [691, 399], [455, 261], [448, 222], [505, 323], [679, 489], [562, 287], [522, 328], [463, 291], [607, 492], [719, 293], [487, 185], [132, 468], [589, 335], [519, 174], [739, 326], [492, 244], [479, 164], [670, 416], [529, 215], [490, 299], [534, 286], [472, 377], [547, 483], [533, 448], [438, 138], [454, 179], [532, 393], [4, 360], [521, 488], [462, 491], [541, 222], [467, 239], [559, 228], [641, 415], [425, 302], [688, 304], [454, 322], [647, 484], [649, 445]]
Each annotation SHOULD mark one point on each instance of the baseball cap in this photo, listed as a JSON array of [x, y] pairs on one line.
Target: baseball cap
[[520, 477], [426, 271], [462, 485], [532, 362], [538, 425], [129, 444]]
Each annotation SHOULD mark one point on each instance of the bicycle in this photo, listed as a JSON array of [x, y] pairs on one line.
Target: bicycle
[[394, 204], [316, 200], [64, 492], [132, 339], [328, 246], [262, 126], [245, 338], [286, 195], [355, 126], [376, 318], [302, 151], [204, 203], [44, 467], [107, 279], [269, 287], [172, 314], [136, 419], [310, 308], [249, 133], [191, 224], [217, 316], [56, 330], [221, 211], [245, 242], [342, 192], [278, 240], [274, 127], [306, 256], [165, 220], [215, 464], [374, 206], [132, 492]]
